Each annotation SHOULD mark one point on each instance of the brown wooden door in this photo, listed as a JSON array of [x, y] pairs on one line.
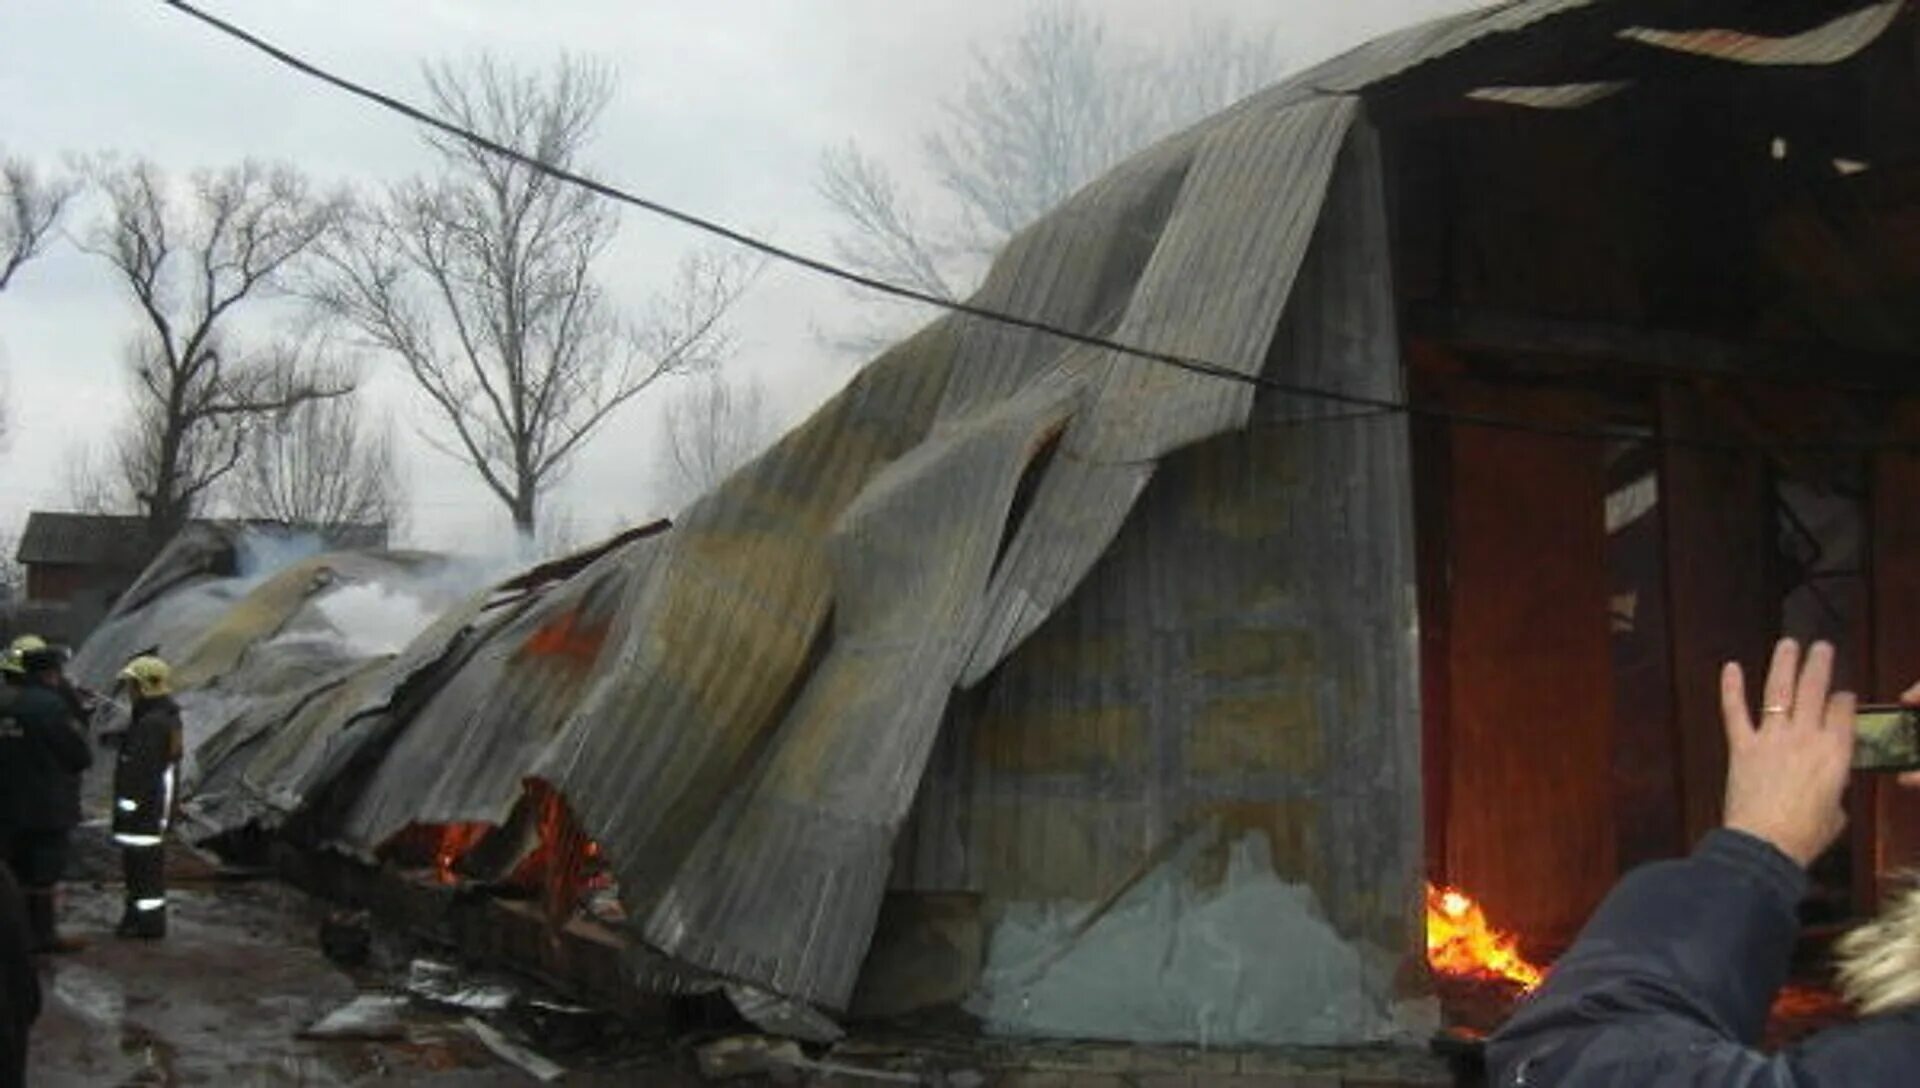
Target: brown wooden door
[[1530, 818]]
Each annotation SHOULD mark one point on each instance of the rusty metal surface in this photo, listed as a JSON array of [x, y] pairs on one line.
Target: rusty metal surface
[[1832, 42], [1560, 96]]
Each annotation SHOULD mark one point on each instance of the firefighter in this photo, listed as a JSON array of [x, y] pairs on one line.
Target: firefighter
[[145, 778], [81, 702], [42, 756], [19, 985]]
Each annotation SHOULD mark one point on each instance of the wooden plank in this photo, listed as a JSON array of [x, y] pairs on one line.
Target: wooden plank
[[1895, 605], [1432, 489], [1666, 352], [1723, 603], [1530, 810]]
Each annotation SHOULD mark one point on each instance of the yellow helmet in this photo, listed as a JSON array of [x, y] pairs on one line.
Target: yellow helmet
[[149, 675], [14, 661]]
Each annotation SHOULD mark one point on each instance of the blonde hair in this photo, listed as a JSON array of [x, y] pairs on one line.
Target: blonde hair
[[1880, 961]]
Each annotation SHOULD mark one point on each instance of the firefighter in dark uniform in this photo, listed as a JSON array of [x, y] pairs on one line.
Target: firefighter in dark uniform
[[42, 755], [145, 784], [19, 985]]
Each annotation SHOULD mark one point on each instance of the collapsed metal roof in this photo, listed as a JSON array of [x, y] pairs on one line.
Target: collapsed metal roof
[[739, 711]]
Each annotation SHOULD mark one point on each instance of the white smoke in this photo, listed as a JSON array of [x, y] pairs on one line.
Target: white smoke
[[258, 554], [374, 619]]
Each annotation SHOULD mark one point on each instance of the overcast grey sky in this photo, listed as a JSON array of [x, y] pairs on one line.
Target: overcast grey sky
[[723, 107]]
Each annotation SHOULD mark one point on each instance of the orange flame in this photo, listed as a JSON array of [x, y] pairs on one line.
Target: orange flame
[[1460, 941], [454, 842]]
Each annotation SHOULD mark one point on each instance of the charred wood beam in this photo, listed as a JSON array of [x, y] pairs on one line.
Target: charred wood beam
[[1661, 351]]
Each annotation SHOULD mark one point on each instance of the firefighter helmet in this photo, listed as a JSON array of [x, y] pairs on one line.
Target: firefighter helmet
[[149, 675], [14, 660]]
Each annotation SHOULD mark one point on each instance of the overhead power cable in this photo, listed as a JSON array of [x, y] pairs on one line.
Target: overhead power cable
[[1369, 406]]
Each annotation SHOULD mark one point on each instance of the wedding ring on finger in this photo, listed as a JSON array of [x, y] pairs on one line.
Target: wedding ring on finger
[[1776, 708]]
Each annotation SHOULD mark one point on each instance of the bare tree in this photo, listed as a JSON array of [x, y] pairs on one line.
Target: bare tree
[[1042, 113], [710, 429], [13, 576], [30, 209], [190, 261], [320, 465], [481, 281], [93, 484]]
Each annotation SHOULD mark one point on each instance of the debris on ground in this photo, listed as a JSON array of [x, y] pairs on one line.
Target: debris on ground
[[443, 984], [536, 1066], [368, 1016], [782, 1061], [740, 1056]]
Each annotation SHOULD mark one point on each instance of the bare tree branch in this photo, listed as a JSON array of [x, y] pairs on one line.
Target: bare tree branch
[[30, 209], [13, 576], [709, 430], [190, 260], [885, 239], [1043, 112], [318, 464], [92, 483], [480, 281]]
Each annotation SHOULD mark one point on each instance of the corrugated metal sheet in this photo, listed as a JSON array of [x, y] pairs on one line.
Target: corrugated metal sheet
[[783, 884], [1242, 655], [462, 755], [158, 610], [1393, 55], [1829, 43], [290, 768], [282, 610]]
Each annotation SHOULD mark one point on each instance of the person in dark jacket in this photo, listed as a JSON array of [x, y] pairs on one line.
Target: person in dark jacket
[[145, 778], [19, 985], [1671, 981], [42, 756]]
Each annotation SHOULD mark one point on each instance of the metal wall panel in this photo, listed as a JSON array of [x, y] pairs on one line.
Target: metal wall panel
[[1242, 656]]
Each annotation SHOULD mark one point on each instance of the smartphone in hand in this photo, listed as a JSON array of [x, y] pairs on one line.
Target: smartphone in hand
[[1886, 738]]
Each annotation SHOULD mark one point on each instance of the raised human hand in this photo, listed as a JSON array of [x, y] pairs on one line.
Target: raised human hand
[[1787, 772]]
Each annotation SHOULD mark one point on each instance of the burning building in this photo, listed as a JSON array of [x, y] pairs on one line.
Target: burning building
[[1109, 698]]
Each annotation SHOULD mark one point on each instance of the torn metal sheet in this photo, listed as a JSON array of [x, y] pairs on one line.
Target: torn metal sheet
[[785, 878], [1231, 215], [1829, 43], [280, 757], [1394, 54], [462, 755], [184, 591]]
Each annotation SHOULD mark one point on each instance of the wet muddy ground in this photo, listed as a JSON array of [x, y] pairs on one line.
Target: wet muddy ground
[[227, 997], [224, 1000]]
